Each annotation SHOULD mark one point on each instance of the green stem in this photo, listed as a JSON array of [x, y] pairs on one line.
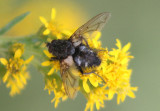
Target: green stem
[[8, 39]]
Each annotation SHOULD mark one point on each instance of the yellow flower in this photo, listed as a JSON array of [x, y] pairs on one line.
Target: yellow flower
[[94, 40], [54, 64], [52, 27], [97, 97], [118, 75], [58, 95], [54, 84], [92, 79], [16, 75], [17, 46]]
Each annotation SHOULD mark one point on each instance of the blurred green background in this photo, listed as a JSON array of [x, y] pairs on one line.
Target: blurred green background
[[135, 21]]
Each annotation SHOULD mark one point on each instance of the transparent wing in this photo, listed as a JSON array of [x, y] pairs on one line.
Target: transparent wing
[[70, 80], [94, 24]]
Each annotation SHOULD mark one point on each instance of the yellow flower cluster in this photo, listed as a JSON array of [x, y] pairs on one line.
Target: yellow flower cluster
[[16, 76], [52, 26], [52, 81], [114, 70], [110, 78], [118, 74], [51, 84], [55, 64], [97, 97]]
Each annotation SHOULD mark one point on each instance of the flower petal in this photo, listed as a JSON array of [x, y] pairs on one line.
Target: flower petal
[[131, 94], [5, 77], [46, 63], [47, 53], [93, 81], [53, 14], [134, 88], [3, 61], [126, 47], [97, 105], [118, 44], [29, 60], [18, 53], [96, 35], [23, 79], [56, 103], [110, 94], [44, 21], [123, 97], [51, 71], [46, 32], [85, 86], [118, 99]]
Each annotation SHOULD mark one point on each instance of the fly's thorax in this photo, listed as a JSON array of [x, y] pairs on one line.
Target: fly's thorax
[[61, 48], [76, 42]]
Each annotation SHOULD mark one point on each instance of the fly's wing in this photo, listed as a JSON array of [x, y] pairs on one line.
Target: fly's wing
[[94, 24], [70, 78]]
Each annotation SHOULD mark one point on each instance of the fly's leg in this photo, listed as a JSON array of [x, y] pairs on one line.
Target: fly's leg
[[92, 72], [98, 50], [80, 69]]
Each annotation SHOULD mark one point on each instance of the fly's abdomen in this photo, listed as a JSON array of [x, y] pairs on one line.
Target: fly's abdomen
[[85, 57]]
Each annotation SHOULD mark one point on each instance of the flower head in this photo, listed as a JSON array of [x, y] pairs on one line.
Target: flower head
[[54, 84], [97, 97], [52, 26], [119, 75], [16, 75], [55, 66]]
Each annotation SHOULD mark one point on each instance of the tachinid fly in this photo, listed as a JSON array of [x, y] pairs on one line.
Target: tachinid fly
[[75, 53]]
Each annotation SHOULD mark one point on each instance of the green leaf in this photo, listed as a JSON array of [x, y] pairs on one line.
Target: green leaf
[[2, 71], [13, 22]]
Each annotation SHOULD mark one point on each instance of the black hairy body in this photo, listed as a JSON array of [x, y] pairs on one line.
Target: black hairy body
[[83, 56], [61, 48]]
